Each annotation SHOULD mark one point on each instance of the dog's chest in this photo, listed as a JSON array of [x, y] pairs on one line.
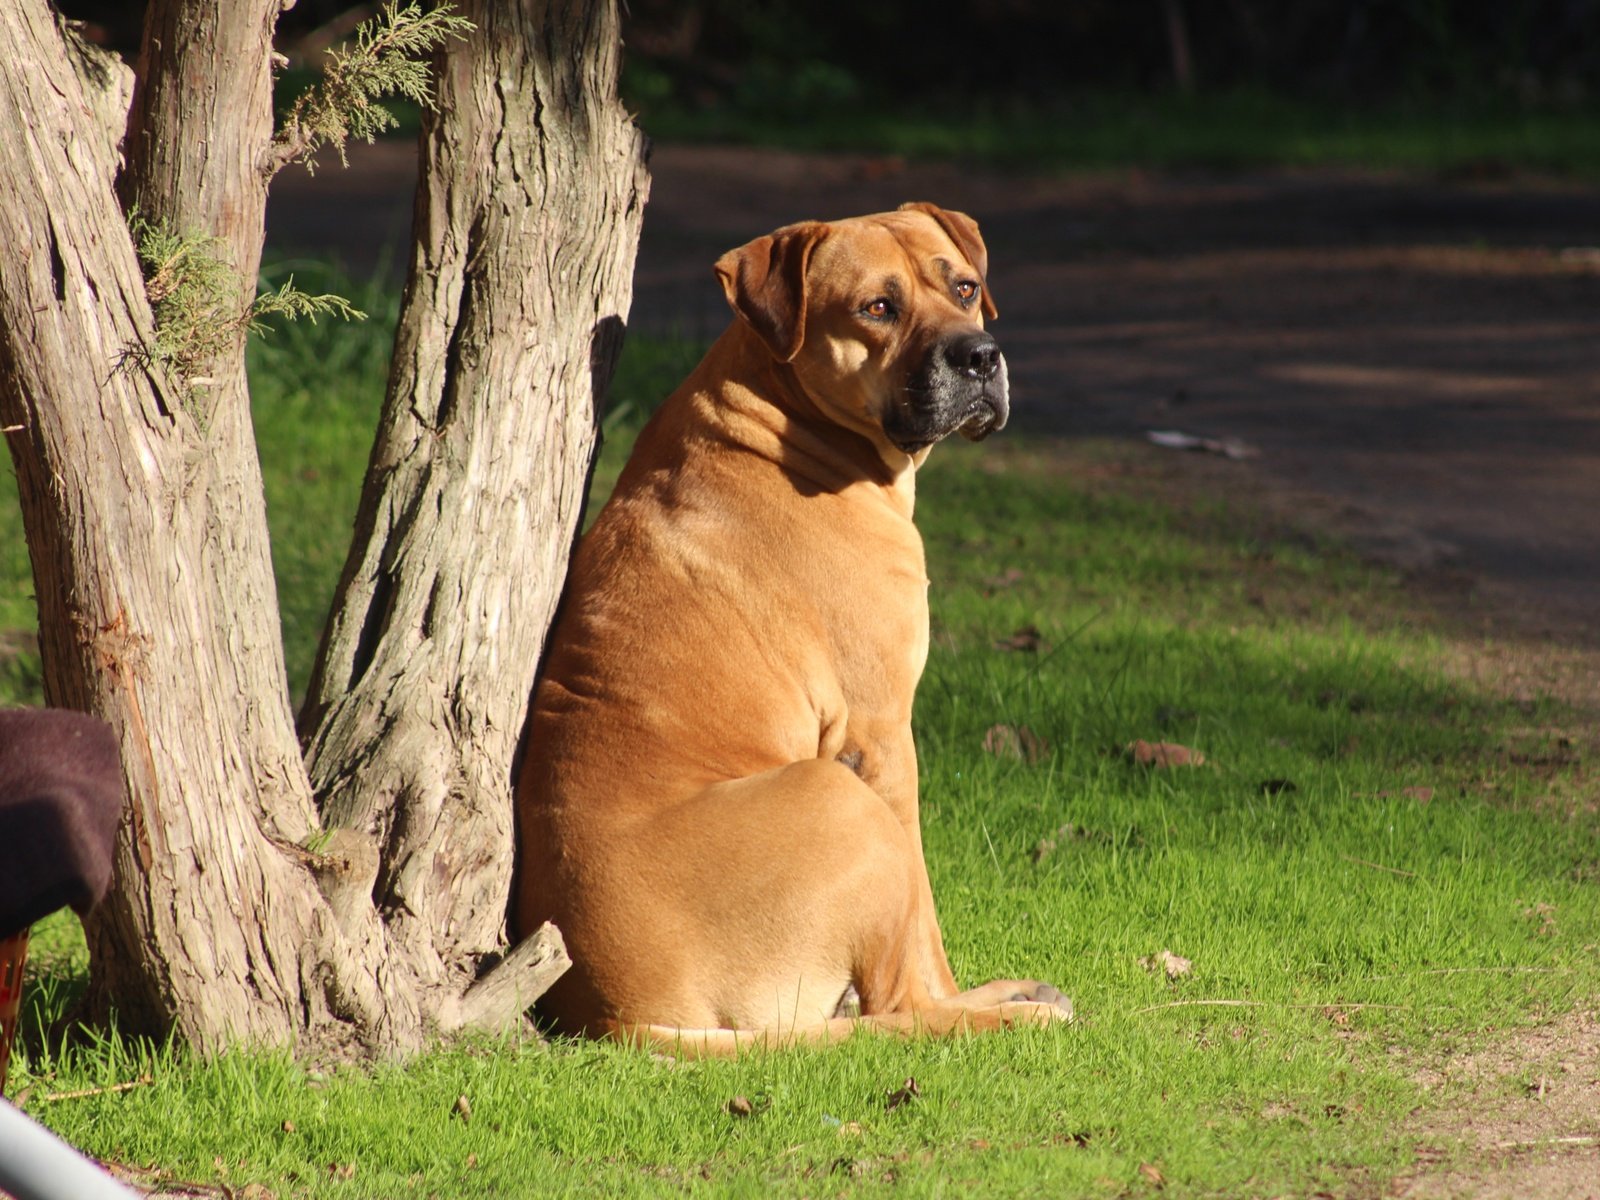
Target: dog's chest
[[876, 613]]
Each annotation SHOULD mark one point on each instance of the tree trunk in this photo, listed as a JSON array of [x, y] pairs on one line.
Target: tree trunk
[[527, 219], [195, 61], [207, 924], [146, 527]]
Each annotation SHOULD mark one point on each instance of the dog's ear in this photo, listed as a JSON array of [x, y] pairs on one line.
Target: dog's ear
[[765, 282], [963, 231]]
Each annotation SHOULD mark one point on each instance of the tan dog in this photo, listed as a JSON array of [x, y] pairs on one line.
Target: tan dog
[[719, 806]]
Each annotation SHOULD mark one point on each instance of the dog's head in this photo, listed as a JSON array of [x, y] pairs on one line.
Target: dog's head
[[881, 318]]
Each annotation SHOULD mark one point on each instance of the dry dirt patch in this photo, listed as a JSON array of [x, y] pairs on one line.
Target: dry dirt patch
[[1525, 1112]]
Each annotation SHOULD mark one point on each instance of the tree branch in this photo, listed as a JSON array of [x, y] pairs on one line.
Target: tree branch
[[498, 999]]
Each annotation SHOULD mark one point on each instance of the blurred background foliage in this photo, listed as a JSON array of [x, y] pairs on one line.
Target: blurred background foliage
[[787, 57], [798, 55], [1476, 88]]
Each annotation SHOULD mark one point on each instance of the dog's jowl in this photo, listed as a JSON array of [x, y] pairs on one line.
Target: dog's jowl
[[719, 802]]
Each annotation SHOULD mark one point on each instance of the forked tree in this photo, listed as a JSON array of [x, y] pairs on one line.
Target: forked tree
[[349, 880]]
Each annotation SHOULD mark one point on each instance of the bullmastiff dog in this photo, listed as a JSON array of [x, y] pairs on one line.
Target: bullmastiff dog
[[718, 806]]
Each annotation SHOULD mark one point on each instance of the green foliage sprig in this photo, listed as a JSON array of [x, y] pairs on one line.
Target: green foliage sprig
[[194, 295], [388, 58]]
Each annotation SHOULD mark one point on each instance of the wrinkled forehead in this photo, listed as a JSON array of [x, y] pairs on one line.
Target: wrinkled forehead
[[866, 253]]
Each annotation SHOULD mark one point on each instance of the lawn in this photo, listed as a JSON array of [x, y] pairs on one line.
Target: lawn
[[1374, 863]]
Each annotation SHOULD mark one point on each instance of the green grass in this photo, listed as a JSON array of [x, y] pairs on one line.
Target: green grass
[[1222, 130], [1357, 926]]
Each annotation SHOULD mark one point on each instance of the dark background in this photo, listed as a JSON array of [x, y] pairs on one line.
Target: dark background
[[842, 54]]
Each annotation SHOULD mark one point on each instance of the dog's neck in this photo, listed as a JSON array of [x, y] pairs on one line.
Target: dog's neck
[[761, 404]]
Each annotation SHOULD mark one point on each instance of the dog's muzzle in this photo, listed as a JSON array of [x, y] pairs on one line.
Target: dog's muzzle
[[988, 411], [961, 388]]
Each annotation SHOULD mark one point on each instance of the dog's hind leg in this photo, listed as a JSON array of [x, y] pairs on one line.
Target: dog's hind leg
[[781, 891]]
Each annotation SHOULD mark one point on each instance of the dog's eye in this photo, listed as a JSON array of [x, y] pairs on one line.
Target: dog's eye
[[966, 290], [879, 310]]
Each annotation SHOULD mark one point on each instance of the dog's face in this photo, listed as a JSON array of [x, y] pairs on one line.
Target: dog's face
[[881, 318]]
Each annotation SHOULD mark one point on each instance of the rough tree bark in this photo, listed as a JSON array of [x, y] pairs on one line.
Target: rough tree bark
[[206, 58], [207, 920], [527, 218], [143, 511]]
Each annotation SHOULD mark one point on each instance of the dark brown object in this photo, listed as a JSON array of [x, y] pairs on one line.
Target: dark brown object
[[60, 799]]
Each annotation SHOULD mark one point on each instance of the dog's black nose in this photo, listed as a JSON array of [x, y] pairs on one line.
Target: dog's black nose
[[975, 355]]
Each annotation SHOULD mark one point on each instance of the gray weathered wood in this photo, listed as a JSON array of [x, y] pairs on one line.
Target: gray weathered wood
[[206, 923], [527, 218], [497, 1001], [232, 917]]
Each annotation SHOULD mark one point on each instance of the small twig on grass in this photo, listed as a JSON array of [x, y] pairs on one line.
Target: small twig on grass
[[1378, 866], [142, 1081], [158, 1181], [998, 870], [1579, 1139], [1469, 971], [1256, 1004]]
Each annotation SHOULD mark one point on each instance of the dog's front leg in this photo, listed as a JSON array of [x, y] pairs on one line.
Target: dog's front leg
[[887, 763]]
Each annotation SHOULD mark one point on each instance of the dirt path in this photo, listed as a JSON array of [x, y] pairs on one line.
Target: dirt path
[[1416, 364]]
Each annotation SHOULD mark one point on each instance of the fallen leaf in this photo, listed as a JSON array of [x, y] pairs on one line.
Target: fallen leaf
[[1152, 1173], [740, 1106], [1174, 965], [342, 1170], [257, 1191], [1027, 640], [472, 1162], [1420, 794], [1337, 1016], [1015, 741], [1163, 754], [850, 1129], [463, 1109], [1545, 914], [288, 1126], [904, 1094]]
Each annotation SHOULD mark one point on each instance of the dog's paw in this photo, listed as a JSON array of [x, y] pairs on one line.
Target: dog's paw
[[1042, 993], [1036, 1013]]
